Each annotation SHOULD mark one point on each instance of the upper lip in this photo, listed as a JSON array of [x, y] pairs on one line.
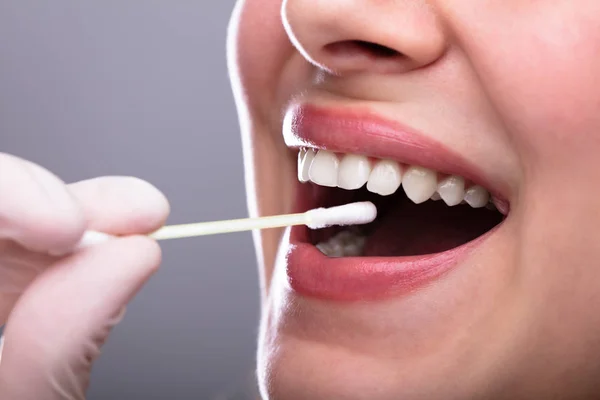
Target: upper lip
[[361, 131]]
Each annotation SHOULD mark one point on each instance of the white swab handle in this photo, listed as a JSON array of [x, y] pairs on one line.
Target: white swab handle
[[229, 226]]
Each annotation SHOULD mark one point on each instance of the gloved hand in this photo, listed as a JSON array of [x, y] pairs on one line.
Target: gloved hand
[[60, 310]]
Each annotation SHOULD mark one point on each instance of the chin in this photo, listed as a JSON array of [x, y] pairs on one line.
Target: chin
[[300, 357], [294, 369]]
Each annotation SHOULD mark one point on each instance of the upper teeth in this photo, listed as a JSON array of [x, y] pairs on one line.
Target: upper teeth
[[452, 190], [384, 177]]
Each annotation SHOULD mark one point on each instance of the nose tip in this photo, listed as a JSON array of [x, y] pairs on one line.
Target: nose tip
[[351, 36]]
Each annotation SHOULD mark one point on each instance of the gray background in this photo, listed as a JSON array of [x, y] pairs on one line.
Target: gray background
[[91, 88]]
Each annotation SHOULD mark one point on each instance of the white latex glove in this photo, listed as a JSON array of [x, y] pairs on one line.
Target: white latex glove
[[60, 310]]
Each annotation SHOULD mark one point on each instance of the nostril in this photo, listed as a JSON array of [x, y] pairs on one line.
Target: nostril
[[376, 49], [361, 48]]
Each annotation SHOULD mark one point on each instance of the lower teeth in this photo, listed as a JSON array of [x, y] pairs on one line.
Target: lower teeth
[[344, 244]]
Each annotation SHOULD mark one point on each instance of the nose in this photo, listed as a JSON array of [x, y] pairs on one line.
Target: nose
[[353, 36]]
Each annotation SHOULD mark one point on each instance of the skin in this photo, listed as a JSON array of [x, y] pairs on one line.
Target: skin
[[58, 307], [513, 87]]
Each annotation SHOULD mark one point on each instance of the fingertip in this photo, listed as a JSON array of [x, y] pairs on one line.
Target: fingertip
[[147, 248], [36, 209], [65, 316], [54, 234], [156, 207], [55, 227], [122, 205]]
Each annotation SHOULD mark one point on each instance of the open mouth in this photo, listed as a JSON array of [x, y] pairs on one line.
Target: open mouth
[[434, 207], [420, 211]]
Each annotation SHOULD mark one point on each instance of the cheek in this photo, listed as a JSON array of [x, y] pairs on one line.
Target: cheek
[[260, 49], [541, 66]]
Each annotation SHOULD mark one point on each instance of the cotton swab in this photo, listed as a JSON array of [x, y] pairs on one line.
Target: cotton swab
[[348, 214]]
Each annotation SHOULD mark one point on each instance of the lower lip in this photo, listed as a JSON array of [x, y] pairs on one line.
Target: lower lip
[[311, 273]]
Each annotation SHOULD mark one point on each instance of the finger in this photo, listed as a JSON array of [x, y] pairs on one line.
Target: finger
[[58, 326], [121, 205], [116, 205], [36, 209]]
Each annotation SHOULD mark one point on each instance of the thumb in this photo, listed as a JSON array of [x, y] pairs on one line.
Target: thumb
[[55, 331]]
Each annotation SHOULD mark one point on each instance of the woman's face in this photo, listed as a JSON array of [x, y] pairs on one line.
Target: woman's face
[[477, 102]]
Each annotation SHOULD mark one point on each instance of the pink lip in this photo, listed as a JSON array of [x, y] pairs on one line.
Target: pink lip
[[359, 131], [313, 274]]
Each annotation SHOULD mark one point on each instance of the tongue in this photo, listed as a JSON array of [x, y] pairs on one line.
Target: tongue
[[408, 229]]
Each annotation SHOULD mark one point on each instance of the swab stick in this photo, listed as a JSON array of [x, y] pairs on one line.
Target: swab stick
[[348, 214]]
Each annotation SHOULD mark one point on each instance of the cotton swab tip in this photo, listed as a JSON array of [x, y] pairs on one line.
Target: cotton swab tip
[[348, 214]]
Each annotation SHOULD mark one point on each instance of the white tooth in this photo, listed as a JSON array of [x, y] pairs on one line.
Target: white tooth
[[354, 239], [344, 237], [352, 250], [360, 240], [491, 206], [324, 248], [344, 244], [324, 169], [385, 177], [353, 172], [499, 205], [436, 196], [301, 157], [337, 249], [305, 158], [360, 243], [419, 184], [477, 197], [452, 190], [337, 243]]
